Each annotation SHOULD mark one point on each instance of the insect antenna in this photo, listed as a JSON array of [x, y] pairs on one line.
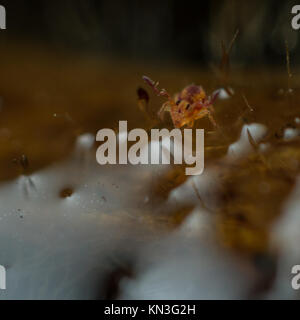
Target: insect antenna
[[232, 41], [255, 146], [288, 66], [247, 103], [154, 85], [225, 61], [214, 97], [289, 73]]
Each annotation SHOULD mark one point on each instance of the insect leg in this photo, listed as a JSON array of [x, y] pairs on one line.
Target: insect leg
[[211, 118], [212, 109], [165, 108], [191, 124]]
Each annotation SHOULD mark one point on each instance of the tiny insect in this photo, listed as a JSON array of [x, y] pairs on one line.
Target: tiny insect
[[186, 107]]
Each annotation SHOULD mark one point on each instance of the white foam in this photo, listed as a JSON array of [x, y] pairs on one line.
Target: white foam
[[263, 147], [290, 133], [223, 94], [286, 238], [86, 141], [243, 146]]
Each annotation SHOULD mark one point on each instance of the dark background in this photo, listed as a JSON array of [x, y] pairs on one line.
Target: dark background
[[168, 30]]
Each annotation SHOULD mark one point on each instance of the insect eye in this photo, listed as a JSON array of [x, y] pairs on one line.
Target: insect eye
[[178, 102], [188, 106]]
